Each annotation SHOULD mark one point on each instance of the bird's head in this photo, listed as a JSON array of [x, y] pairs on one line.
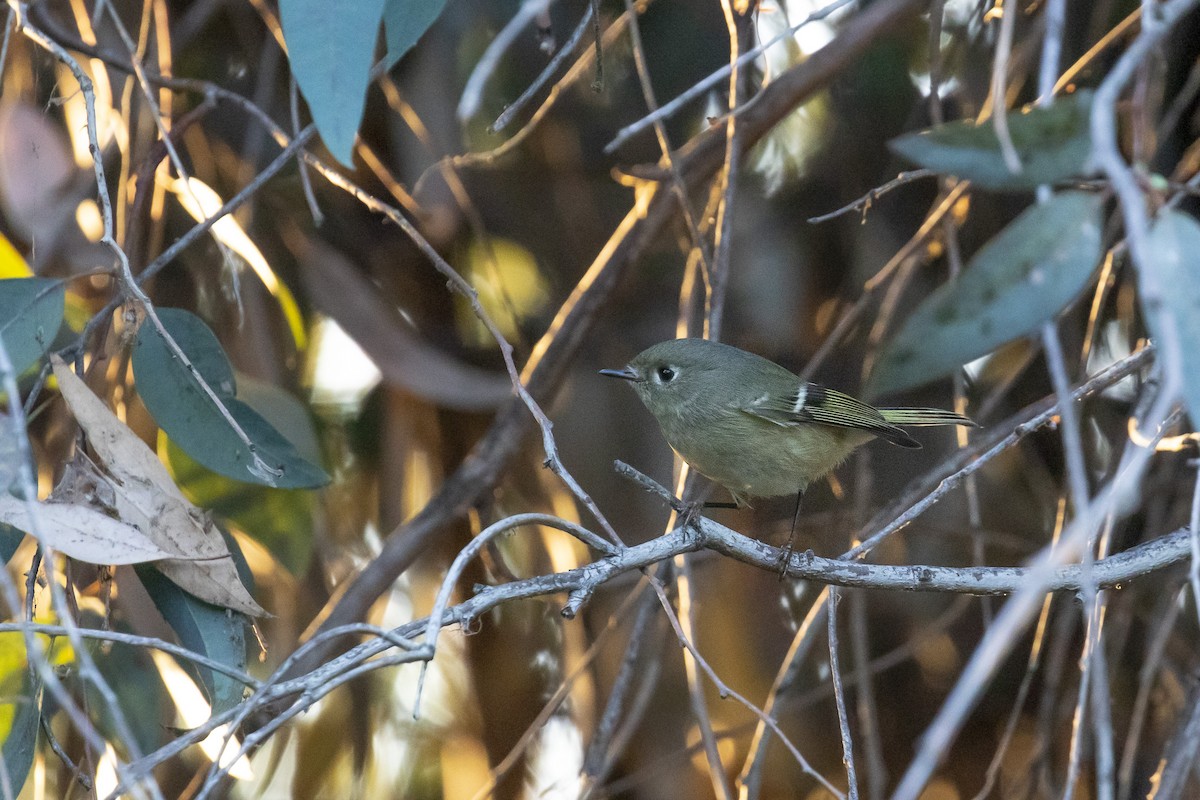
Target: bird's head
[[671, 375]]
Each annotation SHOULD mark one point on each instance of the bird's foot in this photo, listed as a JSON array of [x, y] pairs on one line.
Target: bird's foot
[[785, 560], [688, 514], [785, 555]]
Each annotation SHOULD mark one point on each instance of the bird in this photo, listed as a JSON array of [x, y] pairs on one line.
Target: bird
[[754, 427]]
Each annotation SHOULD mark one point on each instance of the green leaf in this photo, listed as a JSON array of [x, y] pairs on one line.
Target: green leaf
[[216, 632], [1020, 279], [20, 709], [1053, 143], [10, 540], [10, 453], [279, 519], [1174, 249], [404, 22], [138, 685], [189, 416], [331, 47], [31, 312]]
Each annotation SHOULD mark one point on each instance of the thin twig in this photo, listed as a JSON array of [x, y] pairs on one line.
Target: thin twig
[[310, 196], [1166, 614], [728, 183], [678, 185], [867, 200], [148, 642], [726, 691], [673, 107], [598, 751], [1031, 668], [864, 691], [839, 695], [1194, 567], [1008, 20], [35, 651], [472, 96], [510, 112], [686, 629]]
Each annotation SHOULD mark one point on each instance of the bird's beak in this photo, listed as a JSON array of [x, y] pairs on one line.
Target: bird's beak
[[625, 373]]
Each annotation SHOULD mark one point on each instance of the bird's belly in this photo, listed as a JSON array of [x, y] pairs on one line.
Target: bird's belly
[[774, 460]]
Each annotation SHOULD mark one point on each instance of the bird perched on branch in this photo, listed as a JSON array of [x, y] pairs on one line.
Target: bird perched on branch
[[752, 426]]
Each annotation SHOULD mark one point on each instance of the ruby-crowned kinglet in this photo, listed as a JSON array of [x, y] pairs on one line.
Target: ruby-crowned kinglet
[[751, 425]]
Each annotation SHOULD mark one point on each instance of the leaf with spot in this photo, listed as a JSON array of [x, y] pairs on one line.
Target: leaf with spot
[[1053, 143], [1174, 248], [1021, 278]]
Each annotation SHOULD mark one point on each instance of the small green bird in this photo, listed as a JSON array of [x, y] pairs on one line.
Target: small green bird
[[752, 426]]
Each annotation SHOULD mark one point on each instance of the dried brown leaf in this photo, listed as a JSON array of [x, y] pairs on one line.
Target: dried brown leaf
[[82, 532], [146, 497]]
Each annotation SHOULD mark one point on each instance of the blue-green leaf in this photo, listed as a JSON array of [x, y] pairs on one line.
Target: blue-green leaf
[[331, 47], [279, 519], [1174, 249], [10, 540], [1053, 143], [193, 421], [10, 453], [1018, 280], [31, 312], [404, 22], [20, 708], [216, 632]]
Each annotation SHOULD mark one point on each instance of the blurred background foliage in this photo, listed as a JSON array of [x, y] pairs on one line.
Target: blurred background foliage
[[347, 340]]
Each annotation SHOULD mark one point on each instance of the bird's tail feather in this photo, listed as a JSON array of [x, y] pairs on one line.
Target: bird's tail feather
[[924, 416]]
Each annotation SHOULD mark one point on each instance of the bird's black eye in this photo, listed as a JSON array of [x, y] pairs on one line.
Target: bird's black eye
[[666, 374]]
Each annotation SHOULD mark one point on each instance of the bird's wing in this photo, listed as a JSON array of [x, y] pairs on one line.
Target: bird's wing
[[812, 402]]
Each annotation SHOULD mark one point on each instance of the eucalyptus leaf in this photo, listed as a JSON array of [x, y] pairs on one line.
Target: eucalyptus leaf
[[10, 453], [216, 632], [135, 680], [1174, 249], [1021, 278], [10, 540], [31, 312], [20, 709], [331, 47], [279, 519], [405, 22], [1053, 143], [189, 416], [83, 532]]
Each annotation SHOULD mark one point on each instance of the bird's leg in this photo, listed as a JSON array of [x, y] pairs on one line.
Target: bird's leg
[[692, 510], [786, 555]]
